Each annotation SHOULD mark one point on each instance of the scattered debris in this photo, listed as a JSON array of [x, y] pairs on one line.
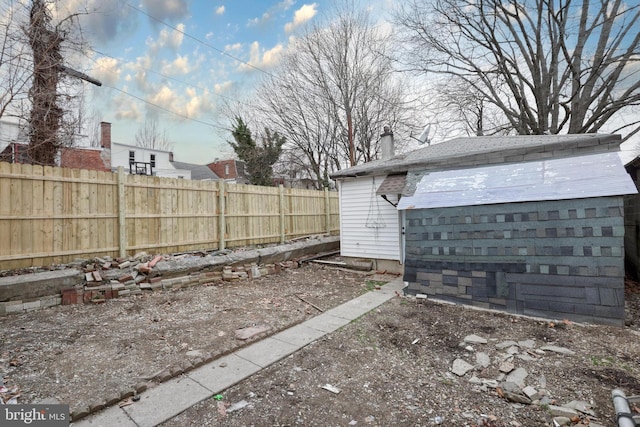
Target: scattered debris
[[237, 406], [126, 402], [332, 389], [311, 304], [250, 332]]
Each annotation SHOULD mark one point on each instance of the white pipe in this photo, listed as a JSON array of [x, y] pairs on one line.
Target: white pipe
[[623, 412]]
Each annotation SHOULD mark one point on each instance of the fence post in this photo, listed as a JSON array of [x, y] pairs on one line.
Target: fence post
[[122, 220], [222, 226], [282, 216], [327, 211]]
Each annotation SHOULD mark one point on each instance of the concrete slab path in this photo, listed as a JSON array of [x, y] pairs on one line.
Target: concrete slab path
[[165, 401]]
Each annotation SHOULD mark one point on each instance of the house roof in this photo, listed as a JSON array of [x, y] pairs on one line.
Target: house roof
[[484, 150], [83, 158], [140, 148], [198, 172], [592, 175]]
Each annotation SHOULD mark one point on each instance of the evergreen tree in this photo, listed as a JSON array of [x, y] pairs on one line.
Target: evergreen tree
[[258, 158]]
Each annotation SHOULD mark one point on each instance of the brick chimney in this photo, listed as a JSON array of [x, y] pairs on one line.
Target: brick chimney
[[105, 135], [171, 156], [386, 144]]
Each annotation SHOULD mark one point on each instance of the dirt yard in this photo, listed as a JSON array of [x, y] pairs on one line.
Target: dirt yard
[[394, 366]]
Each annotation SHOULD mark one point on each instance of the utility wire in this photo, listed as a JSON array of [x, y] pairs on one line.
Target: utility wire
[[166, 109], [200, 41], [228, 98]]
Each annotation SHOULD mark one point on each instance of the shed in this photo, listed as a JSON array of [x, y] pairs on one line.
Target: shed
[[525, 224]]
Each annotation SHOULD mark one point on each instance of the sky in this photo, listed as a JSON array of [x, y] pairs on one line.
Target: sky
[[178, 61]]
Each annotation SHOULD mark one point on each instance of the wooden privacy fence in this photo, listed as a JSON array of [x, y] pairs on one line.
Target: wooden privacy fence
[[54, 215]]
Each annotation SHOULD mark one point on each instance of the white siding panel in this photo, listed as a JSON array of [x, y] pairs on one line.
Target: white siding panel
[[369, 226]]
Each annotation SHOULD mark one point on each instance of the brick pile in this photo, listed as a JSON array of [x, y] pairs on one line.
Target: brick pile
[[106, 278]]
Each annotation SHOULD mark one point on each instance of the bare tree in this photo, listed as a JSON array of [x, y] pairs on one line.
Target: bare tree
[[334, 92], [460, 105], [15, 62], [89, 124], [549, 66], [49, 127], [150, 136], [36, 86]]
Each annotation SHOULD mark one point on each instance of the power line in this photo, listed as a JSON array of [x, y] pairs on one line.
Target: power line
[[228, 98], [166, 109], [170, 111], [199, 41]]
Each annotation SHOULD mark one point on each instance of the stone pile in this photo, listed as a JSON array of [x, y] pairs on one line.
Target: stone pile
[[492, 366]]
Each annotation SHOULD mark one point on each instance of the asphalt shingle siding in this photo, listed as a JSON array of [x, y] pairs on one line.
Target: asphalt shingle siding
[[559, 259]]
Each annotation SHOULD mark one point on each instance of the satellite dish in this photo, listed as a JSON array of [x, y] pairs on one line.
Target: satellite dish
[[424, 136]]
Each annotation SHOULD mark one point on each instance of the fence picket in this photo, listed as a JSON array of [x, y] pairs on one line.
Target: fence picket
[[54, 215]]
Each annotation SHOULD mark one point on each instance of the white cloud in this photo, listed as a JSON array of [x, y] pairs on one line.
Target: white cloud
[[124, 108], [198, 105], [220, 10], [301, 16], [171, 10], [165, 97], [131, 113], [259, 21], [107, 70], [171, 39], [139, 68], [262, 59], [254, 55], [285, 4], [233, 47], [272, 56], [180, 65], [223, 87], [270, 13]]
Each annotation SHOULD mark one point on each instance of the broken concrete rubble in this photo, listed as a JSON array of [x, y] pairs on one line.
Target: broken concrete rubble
[[103, 278], [514, 384]]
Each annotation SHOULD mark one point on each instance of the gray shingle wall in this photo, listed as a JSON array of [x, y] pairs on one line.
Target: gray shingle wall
[[559, 259], [632, 234]]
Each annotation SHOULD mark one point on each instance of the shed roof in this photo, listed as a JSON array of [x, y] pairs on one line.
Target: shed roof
[[484, 150], [594, 175]]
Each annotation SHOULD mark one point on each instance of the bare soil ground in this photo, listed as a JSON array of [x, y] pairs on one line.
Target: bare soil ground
[[85, 354], [392, 366]]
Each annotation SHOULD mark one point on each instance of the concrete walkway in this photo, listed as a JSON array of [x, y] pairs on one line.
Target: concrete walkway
[[170, 398]]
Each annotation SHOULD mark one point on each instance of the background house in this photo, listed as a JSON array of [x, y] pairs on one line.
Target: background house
[[111, 155], [527, 224], [14, 149], [198, 172], [231, 170], [139, 160]]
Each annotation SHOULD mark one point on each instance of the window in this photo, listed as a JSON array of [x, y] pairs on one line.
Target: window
[[132, 156], [153, 160], [226, 170]]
